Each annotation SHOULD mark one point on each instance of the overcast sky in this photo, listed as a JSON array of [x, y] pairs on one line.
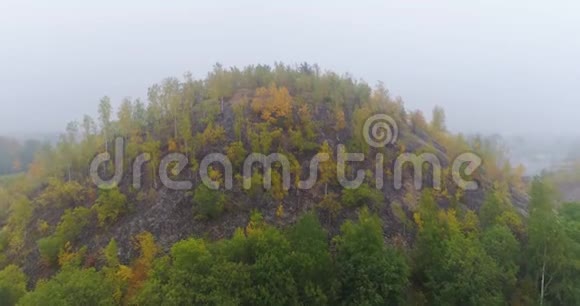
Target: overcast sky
[[498, 66]]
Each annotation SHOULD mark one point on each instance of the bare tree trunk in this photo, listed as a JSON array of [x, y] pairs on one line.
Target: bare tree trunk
[[175, 127], [154, 176], [542, 288]]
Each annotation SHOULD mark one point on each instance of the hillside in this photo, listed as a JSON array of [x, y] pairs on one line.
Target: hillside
[[56, 222]]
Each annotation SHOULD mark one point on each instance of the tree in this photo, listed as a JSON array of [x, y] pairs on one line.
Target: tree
[[311, 263], [236, 153], [111, 254], [105, 118], [369, 272], [547, 241], [141, 268], [153, 147], [327, 168], [219, 84], [185, 130], [194, 275], [438, 120], [12, 285], [209, 203], [71, 286], [568, 291], [269, 252], [272, 103], [109, 205], [67, 147], [125, 117], [451, 264], [491, 210], [501, 245], [418, 122], [70, 226], [363, 195]]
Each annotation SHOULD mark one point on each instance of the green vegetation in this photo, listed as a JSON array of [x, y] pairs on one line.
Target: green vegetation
[[208, 204], [81, 245], [109, 205]]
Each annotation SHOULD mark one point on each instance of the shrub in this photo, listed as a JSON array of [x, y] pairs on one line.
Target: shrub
[[109, 205], [361, 196], [209, 203]]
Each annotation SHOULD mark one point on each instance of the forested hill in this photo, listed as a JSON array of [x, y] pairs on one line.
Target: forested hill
[[139, 240]]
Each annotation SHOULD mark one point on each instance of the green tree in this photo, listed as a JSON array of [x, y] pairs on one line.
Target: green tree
[[105, 110], [209, 203], [311, 263], [12, 285], [369, 272], [451, 264], [503, 247], [364, 195], [547, 242], [236, 153], [219, 84], [71, 224], [71, 286], [109, 205], [438, 120]]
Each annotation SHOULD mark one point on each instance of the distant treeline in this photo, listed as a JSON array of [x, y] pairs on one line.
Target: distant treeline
[[15, 156]]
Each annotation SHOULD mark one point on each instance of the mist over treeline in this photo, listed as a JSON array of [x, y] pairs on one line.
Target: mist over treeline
[[16, 155]]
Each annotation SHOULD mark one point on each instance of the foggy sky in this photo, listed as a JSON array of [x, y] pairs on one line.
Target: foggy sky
[[502, 66]]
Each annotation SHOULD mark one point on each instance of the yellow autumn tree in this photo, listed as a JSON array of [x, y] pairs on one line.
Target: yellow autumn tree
[[272, 103], [327, 168], [145, 243], [340, 120]]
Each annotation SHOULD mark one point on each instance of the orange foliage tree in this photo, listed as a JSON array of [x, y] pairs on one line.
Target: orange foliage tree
[[272, 103]]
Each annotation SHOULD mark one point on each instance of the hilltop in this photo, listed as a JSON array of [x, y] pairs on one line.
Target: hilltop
[[56, 213]]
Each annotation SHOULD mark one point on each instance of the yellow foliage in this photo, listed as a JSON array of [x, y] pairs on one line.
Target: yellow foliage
[[16, 243], [280, 211], [450, 218], [278, 191], [340, 120], [272, 102], [68, 256], [125, 273], [471, 222], [172, 145], [512, 220], [418, 220], [42, 226], [327, 168], [213, 135], [215, 175], [256, 224], [331, 204], [145, 242]]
